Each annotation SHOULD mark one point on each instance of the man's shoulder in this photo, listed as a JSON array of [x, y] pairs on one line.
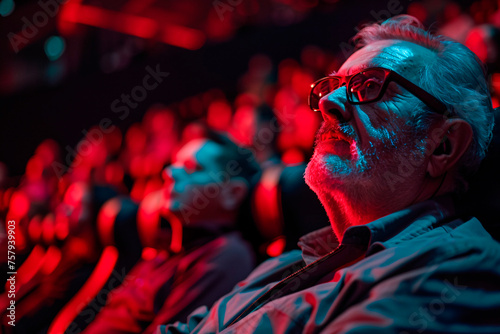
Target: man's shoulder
[[457, 246], [227, 248], [457, 237]]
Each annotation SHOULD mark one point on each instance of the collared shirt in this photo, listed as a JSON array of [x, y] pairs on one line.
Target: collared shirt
[[416, 270]]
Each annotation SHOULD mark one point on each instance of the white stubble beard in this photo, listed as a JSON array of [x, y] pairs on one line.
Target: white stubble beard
[[360, 183]]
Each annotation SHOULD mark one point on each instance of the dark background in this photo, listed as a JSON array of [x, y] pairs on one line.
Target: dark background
[[59, 99]]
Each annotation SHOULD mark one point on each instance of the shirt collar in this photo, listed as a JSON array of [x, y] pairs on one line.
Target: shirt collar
[[384, 232], [317, 244]]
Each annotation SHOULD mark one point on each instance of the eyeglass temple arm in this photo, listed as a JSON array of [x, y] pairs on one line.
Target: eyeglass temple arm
[[424, 96]]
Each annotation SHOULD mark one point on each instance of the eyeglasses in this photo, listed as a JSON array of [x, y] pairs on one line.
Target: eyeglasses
[[367, 86]]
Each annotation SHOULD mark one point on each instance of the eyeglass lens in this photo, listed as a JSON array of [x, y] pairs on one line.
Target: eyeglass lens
[[363, 87]]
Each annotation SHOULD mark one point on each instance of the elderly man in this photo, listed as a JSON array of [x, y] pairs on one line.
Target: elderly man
[[406, 119]]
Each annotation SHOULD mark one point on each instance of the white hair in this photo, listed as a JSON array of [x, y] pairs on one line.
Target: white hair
[[456, 77]]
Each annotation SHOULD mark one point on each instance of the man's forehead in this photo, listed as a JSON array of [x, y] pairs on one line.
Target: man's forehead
[[396, 55], [202, 149]]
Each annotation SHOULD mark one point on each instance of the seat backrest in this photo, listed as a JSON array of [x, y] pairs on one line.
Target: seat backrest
[[483, 198], [117, 229], [285, 208]]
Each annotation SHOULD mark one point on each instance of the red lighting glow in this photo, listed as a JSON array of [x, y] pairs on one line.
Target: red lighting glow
[[48, 231], [106, 220], [75, 193], [35, 229], [148, 218], [34, 168], [276, 247], [89, 290], [19, 205], [183, 37], [51, 260], [176, 242], [219, 115], [292, 156], [149, 253], [61, 228], [477, 42], [267, 204], [114, 173], [30, 266], [107, 19], [134, 25]]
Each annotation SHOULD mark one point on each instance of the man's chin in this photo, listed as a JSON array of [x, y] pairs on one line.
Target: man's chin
[[317, 176], [309, 175]]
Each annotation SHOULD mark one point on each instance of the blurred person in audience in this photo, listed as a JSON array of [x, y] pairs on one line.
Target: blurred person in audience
[[484, 41], [72, 249], [35, 194], [407, 120], [148, 147], [258, 128], [204, 193]]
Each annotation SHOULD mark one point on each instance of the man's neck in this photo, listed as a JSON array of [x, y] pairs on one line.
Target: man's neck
[[344, 212]]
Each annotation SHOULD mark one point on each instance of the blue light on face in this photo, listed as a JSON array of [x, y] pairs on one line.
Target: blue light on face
[[336, 166]]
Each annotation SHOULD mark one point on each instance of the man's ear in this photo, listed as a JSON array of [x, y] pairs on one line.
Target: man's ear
[[233, 194], [456, 138]]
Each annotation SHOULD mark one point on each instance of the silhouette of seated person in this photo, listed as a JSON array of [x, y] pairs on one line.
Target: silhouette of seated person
[[200, 256]]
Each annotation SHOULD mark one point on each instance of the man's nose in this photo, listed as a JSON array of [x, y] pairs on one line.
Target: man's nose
[[174, 179], [335, 108]]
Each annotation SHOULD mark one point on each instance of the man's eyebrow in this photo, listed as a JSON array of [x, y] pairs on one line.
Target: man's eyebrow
[[357, 69]]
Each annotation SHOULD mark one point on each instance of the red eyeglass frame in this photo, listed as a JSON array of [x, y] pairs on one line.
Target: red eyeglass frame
[[431, 101]]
